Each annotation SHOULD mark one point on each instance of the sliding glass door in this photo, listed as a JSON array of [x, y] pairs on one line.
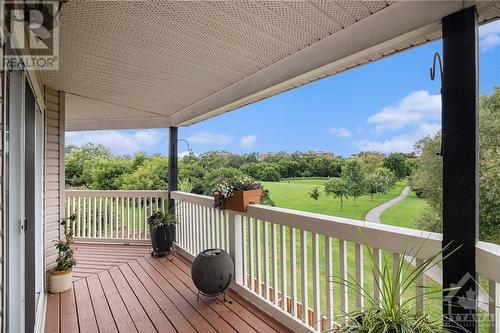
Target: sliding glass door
[[24, 204]]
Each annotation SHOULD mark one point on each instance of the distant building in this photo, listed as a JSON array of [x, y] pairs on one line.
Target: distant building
[[263, 156]]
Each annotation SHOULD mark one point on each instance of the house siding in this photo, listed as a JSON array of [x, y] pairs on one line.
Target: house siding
[[54, 172]]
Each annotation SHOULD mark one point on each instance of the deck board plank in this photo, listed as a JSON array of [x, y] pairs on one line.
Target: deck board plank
[[52, 315], [118, 309], [105, 320], [85, 310], [134, 307], [69, 317], [154, 312]]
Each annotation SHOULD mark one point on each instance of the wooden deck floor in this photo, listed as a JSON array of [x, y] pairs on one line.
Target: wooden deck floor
[[119, 288]]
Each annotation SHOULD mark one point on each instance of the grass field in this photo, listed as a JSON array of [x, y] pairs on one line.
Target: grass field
[[406, 212], [294, 194]]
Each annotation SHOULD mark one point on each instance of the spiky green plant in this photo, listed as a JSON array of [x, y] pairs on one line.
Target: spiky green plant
[[394, 314]]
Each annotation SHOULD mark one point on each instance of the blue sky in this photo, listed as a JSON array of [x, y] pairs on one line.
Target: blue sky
[[385, 106]]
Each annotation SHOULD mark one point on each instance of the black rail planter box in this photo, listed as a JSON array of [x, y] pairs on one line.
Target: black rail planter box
[[162, 238]]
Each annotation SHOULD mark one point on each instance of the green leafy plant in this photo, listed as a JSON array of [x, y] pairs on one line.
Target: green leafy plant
[[392, 314], [315, 193], [159, 218], [66, 257]]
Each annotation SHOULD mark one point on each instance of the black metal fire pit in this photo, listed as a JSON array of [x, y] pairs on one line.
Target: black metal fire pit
[[212, 271]]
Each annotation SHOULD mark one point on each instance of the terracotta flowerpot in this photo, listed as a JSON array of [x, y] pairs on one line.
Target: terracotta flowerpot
[[240, 200], [60, 281]]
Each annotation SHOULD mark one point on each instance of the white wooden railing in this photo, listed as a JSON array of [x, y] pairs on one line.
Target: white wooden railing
[[113, 215], [286, 258]]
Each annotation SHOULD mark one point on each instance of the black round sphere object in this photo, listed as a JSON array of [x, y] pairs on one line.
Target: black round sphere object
[[212, 271]]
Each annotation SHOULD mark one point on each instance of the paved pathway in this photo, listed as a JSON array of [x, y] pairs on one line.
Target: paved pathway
[[374, 214], [434, 273]]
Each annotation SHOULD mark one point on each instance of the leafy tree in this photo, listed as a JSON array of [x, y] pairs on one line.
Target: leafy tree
[[315, 193], [354, 177], [75, 158], [211, 177], [380, 181], [105, 173], [337, 187], [489, 167], [370, 161], [185, 186], [269, 173], [151, 175], [397, 163]]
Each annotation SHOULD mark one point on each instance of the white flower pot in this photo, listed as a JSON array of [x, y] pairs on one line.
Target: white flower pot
[[60, 281]]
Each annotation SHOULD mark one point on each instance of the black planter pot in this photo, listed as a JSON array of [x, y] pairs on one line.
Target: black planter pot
[[162, 238]]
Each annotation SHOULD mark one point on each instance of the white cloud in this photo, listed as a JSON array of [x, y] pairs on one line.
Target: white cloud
[[489, 35], [417, 107], [120, 142], [206, 138], [340, 132], [248, 141], [401, 143]]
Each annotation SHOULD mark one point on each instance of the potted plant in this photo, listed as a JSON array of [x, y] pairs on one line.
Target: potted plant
[[61, 277], [236, 193], [389, 314], [162, 230]]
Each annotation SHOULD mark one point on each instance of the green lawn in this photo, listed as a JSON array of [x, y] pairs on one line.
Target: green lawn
[[294, 194], [405, 213]]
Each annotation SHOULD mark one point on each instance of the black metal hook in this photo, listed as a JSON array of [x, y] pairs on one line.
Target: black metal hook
[[433, 69]]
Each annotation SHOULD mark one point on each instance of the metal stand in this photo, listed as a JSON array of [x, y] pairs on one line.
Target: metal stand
[[214, 295]]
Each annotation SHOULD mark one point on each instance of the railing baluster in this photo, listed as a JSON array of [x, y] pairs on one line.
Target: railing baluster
[[330, 315], [316, 285], [377, 282], [94, 229], [213, 228], [73, 211], [244, 258], [274, 246], [284, 294], [304, 272], [420, 283], [344, 296], [117, 217], [128, 217], [358, 250], [100, 217], [84, 217], [122, 218], [251, 253], [105, 217], [293, 269], [145, 220], [396, 257], [266, 260], [258, 256], [134, 218], [494, 306]]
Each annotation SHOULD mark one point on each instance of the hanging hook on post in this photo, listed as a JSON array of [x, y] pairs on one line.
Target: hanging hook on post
[[432, 71]]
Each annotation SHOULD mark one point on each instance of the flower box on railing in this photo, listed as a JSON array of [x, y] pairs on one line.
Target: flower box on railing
[[240, 200]]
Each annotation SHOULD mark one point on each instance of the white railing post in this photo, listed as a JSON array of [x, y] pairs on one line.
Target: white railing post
[[235, 246]]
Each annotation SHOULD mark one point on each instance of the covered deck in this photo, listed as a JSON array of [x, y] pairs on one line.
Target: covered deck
[[121, 288]]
